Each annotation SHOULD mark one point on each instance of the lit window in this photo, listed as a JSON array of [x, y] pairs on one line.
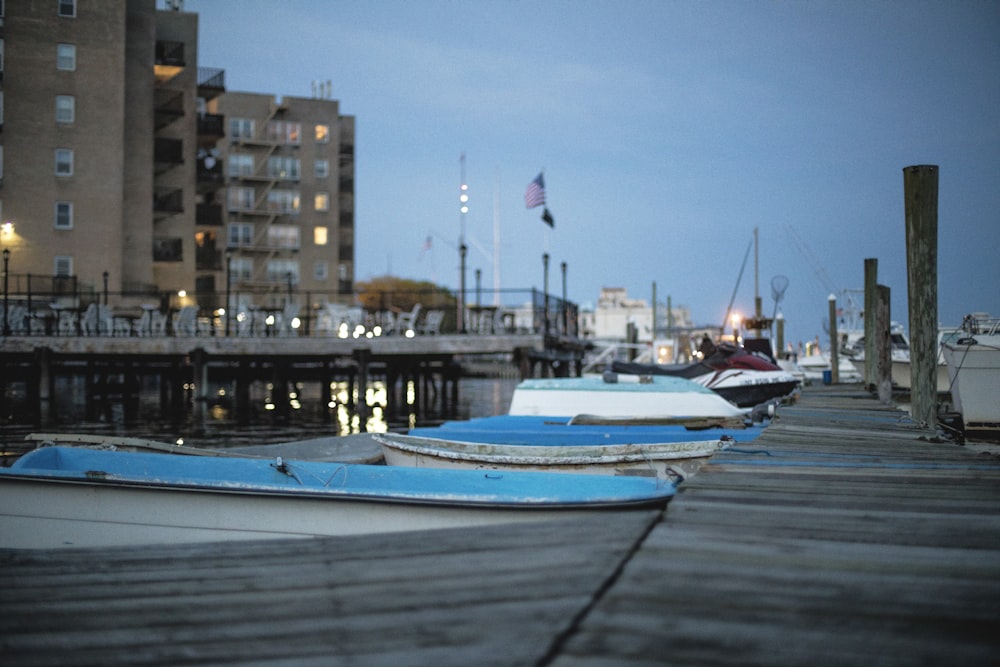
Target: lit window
[[321, 235], [66, 57], [64, 215], [322, 168], [65, 108], [64, 162], [322, 201], [322, 134]]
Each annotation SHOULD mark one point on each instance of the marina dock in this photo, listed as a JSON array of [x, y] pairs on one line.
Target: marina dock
[[845, 534]]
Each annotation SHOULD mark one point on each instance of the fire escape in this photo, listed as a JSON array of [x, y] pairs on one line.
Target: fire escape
[[274, 166]]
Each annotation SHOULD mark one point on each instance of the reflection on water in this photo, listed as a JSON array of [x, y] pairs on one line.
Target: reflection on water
[[267, 415]]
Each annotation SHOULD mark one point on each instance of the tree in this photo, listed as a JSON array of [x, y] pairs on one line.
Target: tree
[[401, 294]]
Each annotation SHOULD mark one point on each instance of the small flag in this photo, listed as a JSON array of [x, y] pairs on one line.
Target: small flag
[[425, 249], [535, 194], [549, 220]]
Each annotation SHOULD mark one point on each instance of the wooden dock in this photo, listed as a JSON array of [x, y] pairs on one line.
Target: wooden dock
[[844, 535]]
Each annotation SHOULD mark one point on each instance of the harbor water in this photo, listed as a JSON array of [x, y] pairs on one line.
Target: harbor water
[[217, 424]]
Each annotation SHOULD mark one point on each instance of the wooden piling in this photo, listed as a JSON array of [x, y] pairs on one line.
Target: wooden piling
[[834, 343], [920, 188], [871, 283], [882, 339]]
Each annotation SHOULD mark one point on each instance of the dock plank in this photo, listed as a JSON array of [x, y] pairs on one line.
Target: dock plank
[[845, 534]]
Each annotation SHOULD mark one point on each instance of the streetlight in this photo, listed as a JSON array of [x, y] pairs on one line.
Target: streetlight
[[545, 265], [463, 208], [6, 301]]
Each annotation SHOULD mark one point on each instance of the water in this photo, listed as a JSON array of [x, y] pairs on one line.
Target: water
[[217, 425]]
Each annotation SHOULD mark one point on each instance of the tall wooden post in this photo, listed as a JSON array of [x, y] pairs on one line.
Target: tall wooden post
[[871, 283], [882, 348], [834, 343], [920, 188]]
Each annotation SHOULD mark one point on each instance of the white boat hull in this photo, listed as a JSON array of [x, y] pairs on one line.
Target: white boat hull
[[43, 515], [974, 374], [662, 397], [666, 461]]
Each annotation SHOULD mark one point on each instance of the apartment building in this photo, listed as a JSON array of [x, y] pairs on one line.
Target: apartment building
[[125, 166]]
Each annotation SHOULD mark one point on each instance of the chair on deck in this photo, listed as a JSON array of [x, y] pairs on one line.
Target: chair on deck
[[407, 322], [432, 322]]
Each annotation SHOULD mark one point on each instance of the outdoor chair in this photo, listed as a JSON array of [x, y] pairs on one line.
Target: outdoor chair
[[432, 322], [406, 322]]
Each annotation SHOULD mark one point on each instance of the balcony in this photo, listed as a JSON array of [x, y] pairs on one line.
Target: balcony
[[208, 214], [209, 174], [167, 153], [167, 202], [168, 250], [169, 60], [211, 126], [169, 105], [211, 82]]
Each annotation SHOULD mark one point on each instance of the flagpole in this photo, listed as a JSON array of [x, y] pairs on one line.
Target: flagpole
[[496, 239]]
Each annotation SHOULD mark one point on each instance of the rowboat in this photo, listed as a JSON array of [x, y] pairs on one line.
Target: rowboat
[[616, 396], [672, 461], [539, 430], [75, 496]]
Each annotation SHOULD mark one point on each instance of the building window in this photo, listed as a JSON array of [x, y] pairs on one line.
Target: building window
[[1, 39], [241, 199], [321, 270], [241, 268], [64, 162], [66, 57], [283, 236], [285, 168], [67, 8], [322, 134], [321, 235], [65, 108], [64, 215], [322, 201], [240, 234], [283, 201], [241, 128], [284, 132], [240, 165], [342, 271], [62, 267], [283, 270], [322, 168]]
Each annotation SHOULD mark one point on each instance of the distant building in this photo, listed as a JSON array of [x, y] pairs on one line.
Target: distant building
[[615, 312], [125, 166]]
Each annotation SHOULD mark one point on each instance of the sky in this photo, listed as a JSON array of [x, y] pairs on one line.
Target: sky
[[667, 131]]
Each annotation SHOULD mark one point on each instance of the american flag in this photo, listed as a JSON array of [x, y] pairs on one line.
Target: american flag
[[535, 194]]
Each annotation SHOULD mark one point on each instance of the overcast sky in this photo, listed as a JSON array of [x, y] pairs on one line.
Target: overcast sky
[[667, 132]]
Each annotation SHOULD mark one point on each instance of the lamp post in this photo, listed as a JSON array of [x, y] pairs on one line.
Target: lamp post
[[545, 266], [463, 208], [229, 277], [565, 306], [6, 302]]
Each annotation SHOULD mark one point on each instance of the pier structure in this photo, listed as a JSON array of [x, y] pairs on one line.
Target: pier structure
[[422, 371]]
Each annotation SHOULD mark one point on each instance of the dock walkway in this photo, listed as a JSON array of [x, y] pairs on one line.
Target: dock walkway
[[843, 535]]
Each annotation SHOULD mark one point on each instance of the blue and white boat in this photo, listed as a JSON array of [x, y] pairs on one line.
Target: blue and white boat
[[631, 397], [559, 444], [69, 496]]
